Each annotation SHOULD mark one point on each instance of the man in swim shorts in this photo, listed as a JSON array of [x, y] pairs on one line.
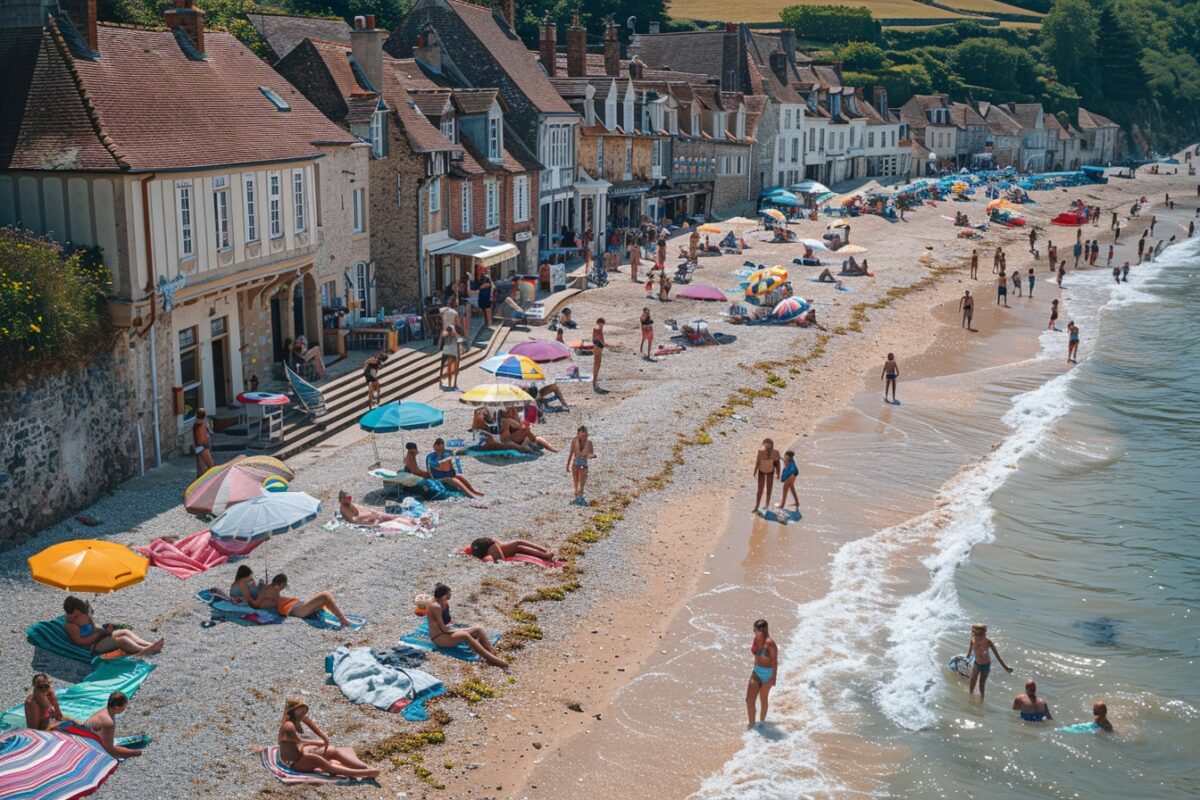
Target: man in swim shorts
[[1031, 707], [967, 305]]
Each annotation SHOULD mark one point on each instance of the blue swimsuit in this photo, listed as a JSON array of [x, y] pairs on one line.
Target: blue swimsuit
[[763, 673], [789, 471]]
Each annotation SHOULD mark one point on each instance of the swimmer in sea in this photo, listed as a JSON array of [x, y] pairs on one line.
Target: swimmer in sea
[[982, 647], [1100, 716], [891, 371], [1031, 707], [766, 668]]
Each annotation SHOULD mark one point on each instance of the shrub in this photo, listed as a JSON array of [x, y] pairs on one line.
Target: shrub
[[832, 23], [52, 302]]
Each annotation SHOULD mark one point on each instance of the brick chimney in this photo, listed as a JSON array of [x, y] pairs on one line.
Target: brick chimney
[[509, 9], [731, 58], [636, 68], [779, 66], [185, 15], [576, 49], [82, 14], [881, 101], [548, 46], [612, 51], [366, 43], [428, 48]]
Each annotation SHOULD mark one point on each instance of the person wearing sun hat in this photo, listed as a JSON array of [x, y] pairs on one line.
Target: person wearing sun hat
[[315, 755]]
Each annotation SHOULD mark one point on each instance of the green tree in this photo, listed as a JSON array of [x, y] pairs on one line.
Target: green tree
[[863, 56], [1119, 66], [1069, 42]]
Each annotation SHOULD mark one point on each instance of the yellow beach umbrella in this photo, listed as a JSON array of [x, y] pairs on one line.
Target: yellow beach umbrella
[[88, 565], [774, 214], [779, 271], [495, 394], [709, 229]]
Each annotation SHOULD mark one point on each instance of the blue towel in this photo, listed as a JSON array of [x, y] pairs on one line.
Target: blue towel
[[80, 701], [463, 652], [364, 679], [51, 635], [515, 454]]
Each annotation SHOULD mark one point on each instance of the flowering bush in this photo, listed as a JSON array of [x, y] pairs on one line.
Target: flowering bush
[[52, 302]]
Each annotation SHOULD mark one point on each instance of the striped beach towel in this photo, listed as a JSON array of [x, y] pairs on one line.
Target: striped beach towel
[[51, 635], [270, 760]]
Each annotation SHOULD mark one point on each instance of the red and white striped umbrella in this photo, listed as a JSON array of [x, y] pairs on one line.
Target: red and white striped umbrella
[[62, 764]]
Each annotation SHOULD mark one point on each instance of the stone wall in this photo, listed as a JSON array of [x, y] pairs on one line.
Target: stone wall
[[66, 438]]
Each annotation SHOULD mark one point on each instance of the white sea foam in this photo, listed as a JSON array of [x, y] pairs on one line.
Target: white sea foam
[[826, 648]]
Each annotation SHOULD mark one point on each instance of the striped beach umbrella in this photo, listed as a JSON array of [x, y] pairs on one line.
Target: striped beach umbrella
[[762, 282], [52, 765], [495, 394], [515, 367], [231, 483], [788, 309], [774, 214], [266, 516]]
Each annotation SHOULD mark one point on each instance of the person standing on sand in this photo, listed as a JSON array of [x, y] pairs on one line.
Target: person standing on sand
[[766, 669], [1110, 255], [1153, 222], [766, 469], [1095, 252], [1033, 241], [1032, 280], [1053, 315], [1031, 707], [1016, 282], [1117, 234], [1077, 251], [788, 476], [1113, 224], [891, 371], [200, 442], [966, 305], [982, 647], [647, 325], [1072, 342], [1062, 271], [1002, 288], [578, 456], [975, 264], [598, 345], [996, 262], [1051, 253]]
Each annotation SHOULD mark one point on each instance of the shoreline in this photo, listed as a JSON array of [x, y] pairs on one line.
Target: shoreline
[[654, 544]]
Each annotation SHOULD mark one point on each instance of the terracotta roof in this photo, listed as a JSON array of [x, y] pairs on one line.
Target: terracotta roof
[[510, 53], [476, 101], [509, 162], [431, 101], [398, 77], [282, 32], [145, 105], [674, 76]]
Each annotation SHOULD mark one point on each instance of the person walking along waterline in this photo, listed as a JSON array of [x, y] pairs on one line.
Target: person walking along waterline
[[1002, 288], [966, 304], [1072, 342], [766, 669], [891, 371], [766, 469]]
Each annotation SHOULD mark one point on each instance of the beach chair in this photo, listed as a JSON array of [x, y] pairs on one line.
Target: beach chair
[[685, 271], [309, 396]]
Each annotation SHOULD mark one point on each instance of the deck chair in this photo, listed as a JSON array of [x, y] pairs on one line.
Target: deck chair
[[309, 396], [684, 272]]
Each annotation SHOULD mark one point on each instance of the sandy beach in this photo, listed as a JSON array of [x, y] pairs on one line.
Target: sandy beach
[[608, 658]]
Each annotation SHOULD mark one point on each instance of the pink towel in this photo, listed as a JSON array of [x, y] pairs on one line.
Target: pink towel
[[184, 558], [541, 562], [232, 548]]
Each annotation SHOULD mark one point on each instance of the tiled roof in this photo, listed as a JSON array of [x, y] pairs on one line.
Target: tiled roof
[[431, 101], [768, 41], [673, 75], [282, 32], [144, 105], [476, 101], [509, 163], [963, 115], [510, 53], [688, 51], [1026, 114], [1090, 119], [998, 120]]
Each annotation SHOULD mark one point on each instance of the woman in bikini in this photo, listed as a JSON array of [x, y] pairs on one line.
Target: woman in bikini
[[41, 705], [271, 598], [315, 755], [361, 516], [441, 467], [488, 549], [766, 668], [577, 463], [244, 588], [647, 332], [83, 631], [517, 433], [443, 635], [983, 648], [766, 468], [598, 345]]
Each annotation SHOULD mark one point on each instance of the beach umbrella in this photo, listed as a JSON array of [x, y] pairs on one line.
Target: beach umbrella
[[788, 309], [275, 484], [396, 416], [52, 765], [736, 222], [88, 565], [263, 517], [702, 291], [235, 481], [495, 394], [783, 199], [708, 228], [779, 270], [541, 351], [516, 367], [762, 282], [774, 214], [851, 250], [825, 197], [809, 187], [815, 244]]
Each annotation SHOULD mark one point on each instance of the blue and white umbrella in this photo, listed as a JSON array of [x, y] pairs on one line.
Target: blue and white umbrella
[[266, 516]]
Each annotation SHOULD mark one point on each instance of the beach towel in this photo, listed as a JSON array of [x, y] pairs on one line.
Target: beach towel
[[364, 679], [80, 701], [189, 556], [231, 548], [270, 760], [519, 455], [463, 652], [51, 635], [245, 615]]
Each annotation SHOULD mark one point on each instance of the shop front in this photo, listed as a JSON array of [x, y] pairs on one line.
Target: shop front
[[472, 257]]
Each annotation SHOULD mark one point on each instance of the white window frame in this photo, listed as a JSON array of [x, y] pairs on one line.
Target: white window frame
[[787, 118], [299, 201], [521, 198], [221, 218], [251, 201], [435, 194], [696, 128], [491, 210], [275, 203], [448, 127], [495, 134], [378, 127], [466, 207], [185, 217], [599, 157], [358, 203]]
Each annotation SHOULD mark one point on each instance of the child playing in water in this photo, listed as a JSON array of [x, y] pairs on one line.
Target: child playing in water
[[1053, 315], [788, 476], [891, 371], [1100, 712], [1072, 342], [982, 647]]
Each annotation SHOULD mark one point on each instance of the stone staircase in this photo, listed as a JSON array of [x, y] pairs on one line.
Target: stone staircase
[[406, 372]]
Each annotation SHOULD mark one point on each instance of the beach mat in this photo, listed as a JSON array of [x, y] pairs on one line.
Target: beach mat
[[189, 556], [51, 636], [80, 701], [507, 455], [463, 652]]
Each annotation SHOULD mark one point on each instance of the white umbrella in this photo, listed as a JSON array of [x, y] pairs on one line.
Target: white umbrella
[[815, 244], [266, 516]]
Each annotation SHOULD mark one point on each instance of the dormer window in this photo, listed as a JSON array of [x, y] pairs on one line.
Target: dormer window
[[378, 132], [718, 124], [610, 108], [740, 130], [274, 98], [447, 127], [495, 134], [695, 129]]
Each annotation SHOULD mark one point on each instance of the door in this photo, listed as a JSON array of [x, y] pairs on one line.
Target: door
[[298, 311], [220, 368], [276, 329]]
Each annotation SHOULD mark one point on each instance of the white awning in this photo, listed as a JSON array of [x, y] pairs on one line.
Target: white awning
[[484, 250]]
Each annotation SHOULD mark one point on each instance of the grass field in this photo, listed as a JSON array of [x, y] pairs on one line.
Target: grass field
[[768, 10], [988, 7], [1020, 24]]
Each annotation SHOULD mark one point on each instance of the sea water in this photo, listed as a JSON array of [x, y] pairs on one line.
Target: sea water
[[1075, 540]]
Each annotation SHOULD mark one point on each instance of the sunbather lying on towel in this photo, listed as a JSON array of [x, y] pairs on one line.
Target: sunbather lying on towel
[[361, 516], [441, 467], [806, 320], [41, 705], [698, 334], [441, 634], [487, 549], [271, 597], [315, 755], [104, 724], [852, 268], [827, 277], [83, 631]]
